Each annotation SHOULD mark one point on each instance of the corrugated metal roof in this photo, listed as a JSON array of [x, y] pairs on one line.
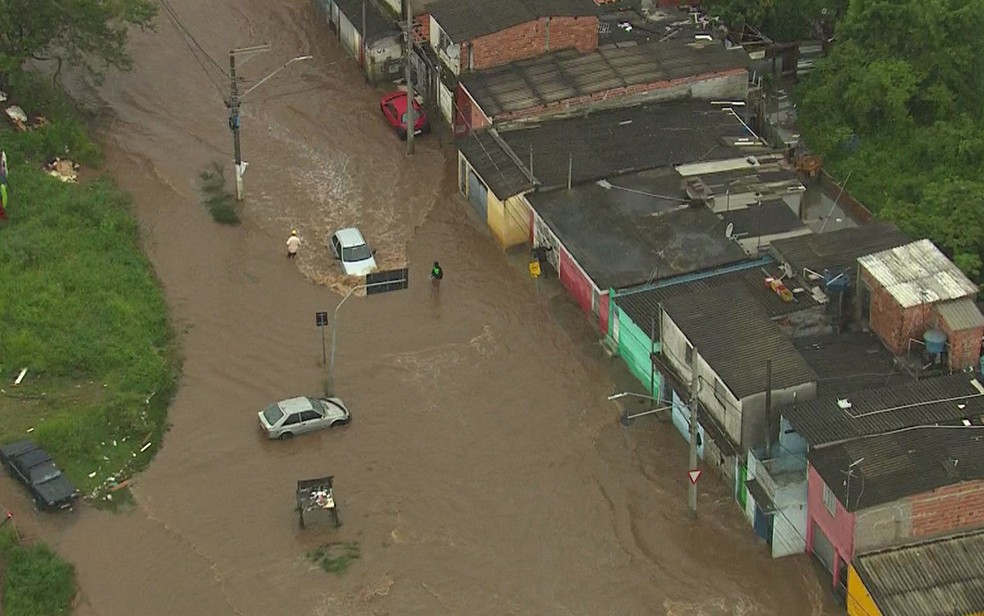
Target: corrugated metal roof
[[495, 164], [642, 305], [552, 80], [837, 250], [377, 24], [918, 403], [940, 577], [961, 314], [850, 361], [733, 333], [887, 467], [918, 273]]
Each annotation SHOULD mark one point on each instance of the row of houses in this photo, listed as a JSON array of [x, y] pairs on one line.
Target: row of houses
[[836, 362]]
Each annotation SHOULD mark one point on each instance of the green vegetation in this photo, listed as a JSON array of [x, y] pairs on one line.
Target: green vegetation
[[216, 199], [899, 104], [89, 35], [36, 582], [335, 557], [80, 308], [781, 20]]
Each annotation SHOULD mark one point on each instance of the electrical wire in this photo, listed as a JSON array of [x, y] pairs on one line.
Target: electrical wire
[[192, 43]]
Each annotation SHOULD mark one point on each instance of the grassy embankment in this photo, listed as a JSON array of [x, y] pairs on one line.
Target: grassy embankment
[[35, 581], [80, 308]]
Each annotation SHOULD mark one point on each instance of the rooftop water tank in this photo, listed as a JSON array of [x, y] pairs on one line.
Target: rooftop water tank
[[935, 341]]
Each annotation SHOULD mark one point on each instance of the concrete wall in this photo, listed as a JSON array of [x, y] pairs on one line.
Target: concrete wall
[[838, 527], [753, 411], [727, 410], [728, 85]]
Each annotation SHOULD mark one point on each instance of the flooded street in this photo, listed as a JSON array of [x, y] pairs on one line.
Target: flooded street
[[484, 471]]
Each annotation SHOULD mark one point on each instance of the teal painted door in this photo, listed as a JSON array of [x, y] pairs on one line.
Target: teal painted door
[[634, 347]]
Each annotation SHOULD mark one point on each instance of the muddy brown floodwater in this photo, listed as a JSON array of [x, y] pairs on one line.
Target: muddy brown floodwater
[[484, 471]]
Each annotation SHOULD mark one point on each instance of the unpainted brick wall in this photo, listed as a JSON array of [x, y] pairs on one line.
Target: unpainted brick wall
[[529, 40], [892, 323], [963, 346], [951, 508]]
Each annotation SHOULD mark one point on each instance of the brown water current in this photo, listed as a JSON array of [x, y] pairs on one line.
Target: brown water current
[[484, 471]]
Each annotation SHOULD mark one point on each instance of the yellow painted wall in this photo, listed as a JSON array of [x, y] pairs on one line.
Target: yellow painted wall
[[509, 221], [859, 601]]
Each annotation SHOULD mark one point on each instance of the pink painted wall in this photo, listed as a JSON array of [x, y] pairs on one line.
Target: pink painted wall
[[603, 313], [839, 527], [575, 282]]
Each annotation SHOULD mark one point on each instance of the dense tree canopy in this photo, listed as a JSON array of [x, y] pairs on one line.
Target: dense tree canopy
[[781, 20], [90, 35], [899, 104]]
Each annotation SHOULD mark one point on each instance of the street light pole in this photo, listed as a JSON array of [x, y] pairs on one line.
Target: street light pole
[[236, 99], [334, 330]]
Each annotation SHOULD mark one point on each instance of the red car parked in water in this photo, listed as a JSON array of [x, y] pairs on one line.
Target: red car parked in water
[[394, 108]]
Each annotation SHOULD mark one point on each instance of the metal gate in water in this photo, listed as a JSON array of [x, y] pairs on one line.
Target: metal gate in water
[[478, 195]]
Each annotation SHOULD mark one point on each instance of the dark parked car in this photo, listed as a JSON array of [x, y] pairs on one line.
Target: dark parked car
[[33, 467]]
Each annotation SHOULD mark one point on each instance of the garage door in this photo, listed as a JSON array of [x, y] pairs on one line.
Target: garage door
[[478, 195], [823, 549]]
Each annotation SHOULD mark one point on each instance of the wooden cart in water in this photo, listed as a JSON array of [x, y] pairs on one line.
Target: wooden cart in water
[[317, 495]]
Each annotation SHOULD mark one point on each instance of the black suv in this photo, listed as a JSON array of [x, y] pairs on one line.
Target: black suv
[[33, 467]]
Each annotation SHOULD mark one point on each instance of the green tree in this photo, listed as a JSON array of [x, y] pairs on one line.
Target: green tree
[[781, 20], [899, 104], [90, 35]]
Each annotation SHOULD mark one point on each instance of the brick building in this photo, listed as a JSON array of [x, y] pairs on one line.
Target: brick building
[[471, 36], [889, 463], [906, 291], [887, 489]]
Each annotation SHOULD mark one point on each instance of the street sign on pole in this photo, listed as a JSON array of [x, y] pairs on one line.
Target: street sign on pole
[[321, 319], [694, 475], [378, 282], [386, 281]]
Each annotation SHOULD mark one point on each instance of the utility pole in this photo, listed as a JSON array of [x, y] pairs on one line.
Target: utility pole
[[236, 99], [694, 391], [411, 112]]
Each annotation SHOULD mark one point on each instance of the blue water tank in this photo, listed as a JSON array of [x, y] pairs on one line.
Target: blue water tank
[[935, 341]]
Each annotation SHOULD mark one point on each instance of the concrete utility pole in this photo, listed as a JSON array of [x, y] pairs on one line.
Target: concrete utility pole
[[411, 112], [694, 391], [236, 99]]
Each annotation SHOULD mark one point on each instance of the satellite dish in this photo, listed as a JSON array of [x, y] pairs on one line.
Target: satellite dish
[[729, 231]]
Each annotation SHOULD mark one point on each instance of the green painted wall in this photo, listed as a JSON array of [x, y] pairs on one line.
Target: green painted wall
[[634, 347]]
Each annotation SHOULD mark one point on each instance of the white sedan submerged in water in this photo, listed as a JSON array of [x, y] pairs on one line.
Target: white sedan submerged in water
[[302, 414]]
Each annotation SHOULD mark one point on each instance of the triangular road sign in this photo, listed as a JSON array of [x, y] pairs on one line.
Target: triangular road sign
[[694, 475]]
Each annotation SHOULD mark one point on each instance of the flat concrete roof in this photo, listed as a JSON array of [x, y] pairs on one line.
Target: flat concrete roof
[[638, 229]]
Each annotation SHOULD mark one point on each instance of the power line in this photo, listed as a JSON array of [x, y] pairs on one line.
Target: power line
[[192, 43]]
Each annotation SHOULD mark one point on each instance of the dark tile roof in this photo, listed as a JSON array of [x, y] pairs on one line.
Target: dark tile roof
[[378, 25], [643, 303], [900, 464], [555, 81], [769, 218], [940, 577], [618, 141], [621, 238], [849, 361], [837, 250], [495, 163], [733, 333], [463, 20], [925, 402]]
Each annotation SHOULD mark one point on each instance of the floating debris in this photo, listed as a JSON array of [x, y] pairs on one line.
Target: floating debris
[[145, 447]]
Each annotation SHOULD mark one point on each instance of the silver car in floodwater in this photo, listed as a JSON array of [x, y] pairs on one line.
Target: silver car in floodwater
[[302, 414]]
